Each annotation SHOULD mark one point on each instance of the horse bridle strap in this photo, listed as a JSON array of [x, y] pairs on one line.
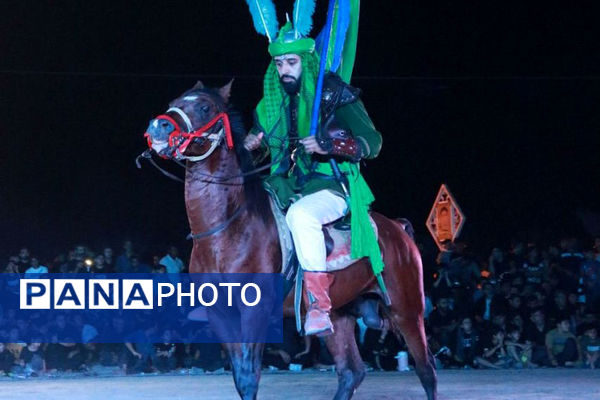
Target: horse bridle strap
[[179, 140], [219, 227]]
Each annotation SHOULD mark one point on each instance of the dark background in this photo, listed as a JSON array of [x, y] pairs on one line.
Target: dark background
[[498, 100]]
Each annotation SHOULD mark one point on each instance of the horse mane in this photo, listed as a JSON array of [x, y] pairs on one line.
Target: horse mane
[[256, 196], [257, 201]]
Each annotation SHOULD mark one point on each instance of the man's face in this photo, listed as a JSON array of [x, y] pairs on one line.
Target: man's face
[[289, 68], [24, 253], [563, 326], [467, 325], [537, 317], [443, 304]]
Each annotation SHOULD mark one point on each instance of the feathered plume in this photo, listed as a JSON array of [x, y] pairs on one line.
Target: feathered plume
[[303, 12], [264, 17], [343, 21]]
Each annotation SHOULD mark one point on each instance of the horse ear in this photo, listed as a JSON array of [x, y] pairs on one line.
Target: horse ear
[[198, 86], [225, 91]]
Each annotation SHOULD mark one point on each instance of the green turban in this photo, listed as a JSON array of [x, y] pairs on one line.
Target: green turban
[[287, 43]]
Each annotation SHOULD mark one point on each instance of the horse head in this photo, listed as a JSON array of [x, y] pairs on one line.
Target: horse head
[[194, 125]]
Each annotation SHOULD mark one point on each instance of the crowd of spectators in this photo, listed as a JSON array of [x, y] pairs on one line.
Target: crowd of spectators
[[527, 307], [524, 307]]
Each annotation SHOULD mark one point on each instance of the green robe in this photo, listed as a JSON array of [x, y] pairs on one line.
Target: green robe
[[287, 187]]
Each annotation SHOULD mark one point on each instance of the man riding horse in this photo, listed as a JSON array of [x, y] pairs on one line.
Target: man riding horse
[[302, 179]]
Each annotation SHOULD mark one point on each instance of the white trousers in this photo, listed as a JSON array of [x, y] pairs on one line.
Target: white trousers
[[305, 219]]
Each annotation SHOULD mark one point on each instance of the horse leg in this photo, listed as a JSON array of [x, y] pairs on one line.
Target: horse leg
[[246, 359], [412, 329], [349, 366]]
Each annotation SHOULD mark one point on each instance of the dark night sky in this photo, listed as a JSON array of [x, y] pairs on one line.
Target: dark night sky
[[499, 100]]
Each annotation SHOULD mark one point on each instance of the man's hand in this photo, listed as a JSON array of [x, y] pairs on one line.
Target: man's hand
[[252, 142], [312, 146]]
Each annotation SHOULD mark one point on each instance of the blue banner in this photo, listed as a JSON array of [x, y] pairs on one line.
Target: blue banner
[[141, 308]]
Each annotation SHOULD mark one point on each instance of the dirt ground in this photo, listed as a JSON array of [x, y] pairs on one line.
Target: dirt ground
[[546, 384]]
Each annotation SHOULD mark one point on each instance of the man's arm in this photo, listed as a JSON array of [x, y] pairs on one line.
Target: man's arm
[[355, 118]]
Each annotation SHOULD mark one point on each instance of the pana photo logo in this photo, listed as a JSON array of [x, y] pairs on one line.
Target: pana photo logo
[[133, 294]]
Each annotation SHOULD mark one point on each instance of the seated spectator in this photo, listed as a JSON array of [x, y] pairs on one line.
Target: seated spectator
[[590, 346], [443, 322], [32, 360], [535, 334], [442, 354], [590, 280], [35, 269], [123, 263], [464, 269], [7, 360], [12, 267], [569, 265], [442, 284], [139, 355], [91, 354], [487, 305], [64, 357], [383, 346], [497, 263], [109, 262], [173, 264], [560, 308], [520, 351], [467, 344], [514, 306], [112, 355], [99, 265], [164, 358], [275, 356], [534, 270], [211, 356], [157, 267], [137, 266], [293, 350], [24, 261], [172, 261], [494, 355], [561, 345]]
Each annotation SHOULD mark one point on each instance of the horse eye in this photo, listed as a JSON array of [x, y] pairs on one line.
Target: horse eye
[[205, 108]]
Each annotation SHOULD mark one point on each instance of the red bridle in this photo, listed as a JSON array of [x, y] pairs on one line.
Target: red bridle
[[179, 140]]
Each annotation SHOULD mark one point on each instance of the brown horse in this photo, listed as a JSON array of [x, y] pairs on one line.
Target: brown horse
[[235, 232]]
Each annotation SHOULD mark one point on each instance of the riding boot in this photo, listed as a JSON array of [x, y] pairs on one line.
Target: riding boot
[[316, 285]]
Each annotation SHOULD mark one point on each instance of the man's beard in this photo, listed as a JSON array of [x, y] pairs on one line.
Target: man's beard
[[291, 87]]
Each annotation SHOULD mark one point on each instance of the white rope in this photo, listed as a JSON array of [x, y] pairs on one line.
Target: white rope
[[216, 140], [183, 116]]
